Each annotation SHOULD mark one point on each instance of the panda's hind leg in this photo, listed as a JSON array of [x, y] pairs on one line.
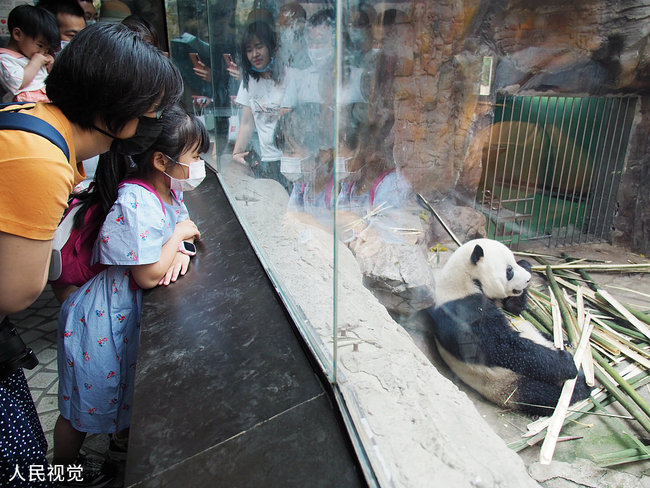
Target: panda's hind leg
[[540, 398]]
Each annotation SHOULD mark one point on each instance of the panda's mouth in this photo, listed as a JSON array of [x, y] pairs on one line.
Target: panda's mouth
[[517, 292]]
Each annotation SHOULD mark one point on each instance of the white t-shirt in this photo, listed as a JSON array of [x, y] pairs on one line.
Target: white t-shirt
[[12, 71], [264, 97]]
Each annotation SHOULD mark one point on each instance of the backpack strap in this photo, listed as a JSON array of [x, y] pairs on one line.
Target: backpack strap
[[19, 121], [144, 184]]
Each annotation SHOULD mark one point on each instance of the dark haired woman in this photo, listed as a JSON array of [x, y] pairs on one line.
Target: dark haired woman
[[260, 94]]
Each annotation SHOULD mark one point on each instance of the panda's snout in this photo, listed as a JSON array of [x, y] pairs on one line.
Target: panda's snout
[[526, 282]]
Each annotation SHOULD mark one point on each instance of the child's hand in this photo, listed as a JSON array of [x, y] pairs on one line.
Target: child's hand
[[178, 268], [187, 230], [42, 59]]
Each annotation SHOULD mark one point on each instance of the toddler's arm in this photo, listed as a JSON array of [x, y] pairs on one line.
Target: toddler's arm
[[37, 61]]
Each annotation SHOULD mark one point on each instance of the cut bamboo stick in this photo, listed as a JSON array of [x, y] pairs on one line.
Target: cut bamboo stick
[[558, 340], [557, 419], [599, 267], [640, 326], [566, 317]]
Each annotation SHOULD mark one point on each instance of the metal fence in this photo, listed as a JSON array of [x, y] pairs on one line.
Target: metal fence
[[552, 167]]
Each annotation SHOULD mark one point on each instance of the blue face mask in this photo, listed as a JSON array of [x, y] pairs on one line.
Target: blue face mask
[[263, 70]]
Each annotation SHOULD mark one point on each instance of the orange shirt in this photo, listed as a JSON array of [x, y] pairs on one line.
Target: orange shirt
[[36, 178]]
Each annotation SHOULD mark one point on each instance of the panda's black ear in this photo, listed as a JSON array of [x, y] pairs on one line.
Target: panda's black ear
[[477, 254]]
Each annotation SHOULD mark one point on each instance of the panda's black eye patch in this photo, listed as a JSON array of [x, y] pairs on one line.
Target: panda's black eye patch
[[510, 273]]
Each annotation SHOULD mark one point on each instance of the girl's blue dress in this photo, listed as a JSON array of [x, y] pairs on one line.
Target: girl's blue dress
[[99, 324]]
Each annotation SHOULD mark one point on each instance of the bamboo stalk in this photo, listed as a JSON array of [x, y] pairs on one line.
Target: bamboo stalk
[[558, 341], [533, 320], [559, 414], [599, 267], [537, 428], [590, 283], [566, 317], [640, 326], [602, 304], [638, 314], [629, 406], [642, 413], [621, 329]]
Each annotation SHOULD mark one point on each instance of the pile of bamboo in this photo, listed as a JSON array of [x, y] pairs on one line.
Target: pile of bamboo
[[610, 342]]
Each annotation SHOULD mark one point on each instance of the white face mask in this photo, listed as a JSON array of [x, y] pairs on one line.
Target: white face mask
[[293, 168], [64, 44], [342, 167], [196, 176]]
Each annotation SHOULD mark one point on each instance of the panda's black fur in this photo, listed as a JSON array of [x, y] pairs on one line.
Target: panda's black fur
[[519, 369]]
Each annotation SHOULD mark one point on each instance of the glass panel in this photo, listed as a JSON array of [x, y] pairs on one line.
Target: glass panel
[[352, 138], [274, 148]]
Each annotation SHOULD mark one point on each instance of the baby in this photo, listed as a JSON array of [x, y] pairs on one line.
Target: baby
[[25, 62]]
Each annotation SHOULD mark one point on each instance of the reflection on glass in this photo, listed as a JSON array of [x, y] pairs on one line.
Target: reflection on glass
[[308, 160], [352, 137]]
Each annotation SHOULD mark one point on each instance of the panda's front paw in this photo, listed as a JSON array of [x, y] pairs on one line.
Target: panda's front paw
[[564, 367], [516, 304]]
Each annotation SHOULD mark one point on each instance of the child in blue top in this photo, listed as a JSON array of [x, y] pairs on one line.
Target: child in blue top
[[141, 240]]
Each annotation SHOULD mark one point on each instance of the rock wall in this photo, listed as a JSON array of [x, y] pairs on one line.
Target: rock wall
[[591, 47]]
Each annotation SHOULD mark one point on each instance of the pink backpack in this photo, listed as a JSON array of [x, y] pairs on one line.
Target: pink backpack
[[72, 248]]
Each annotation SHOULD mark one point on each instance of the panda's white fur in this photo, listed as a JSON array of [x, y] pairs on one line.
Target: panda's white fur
[[502, 361]]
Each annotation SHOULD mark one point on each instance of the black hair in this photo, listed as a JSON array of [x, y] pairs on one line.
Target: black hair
[[263, 31], [109, 72], [180, 133], [322, 17], [70, 7], [143, 27], [35, 22]]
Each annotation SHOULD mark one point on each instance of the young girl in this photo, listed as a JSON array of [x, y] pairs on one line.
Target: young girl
[[25, 62], [260, 94], [142, 240]]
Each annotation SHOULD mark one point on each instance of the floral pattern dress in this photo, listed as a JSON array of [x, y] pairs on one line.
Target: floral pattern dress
[[99, 324]]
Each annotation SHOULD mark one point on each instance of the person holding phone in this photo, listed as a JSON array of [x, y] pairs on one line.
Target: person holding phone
[[260, 94], [200, 69]]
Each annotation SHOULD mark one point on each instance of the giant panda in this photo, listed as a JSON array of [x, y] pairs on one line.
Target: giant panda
[[513, 367]]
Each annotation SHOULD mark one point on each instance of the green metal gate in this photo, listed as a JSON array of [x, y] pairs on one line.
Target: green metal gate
[[552, 167]]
